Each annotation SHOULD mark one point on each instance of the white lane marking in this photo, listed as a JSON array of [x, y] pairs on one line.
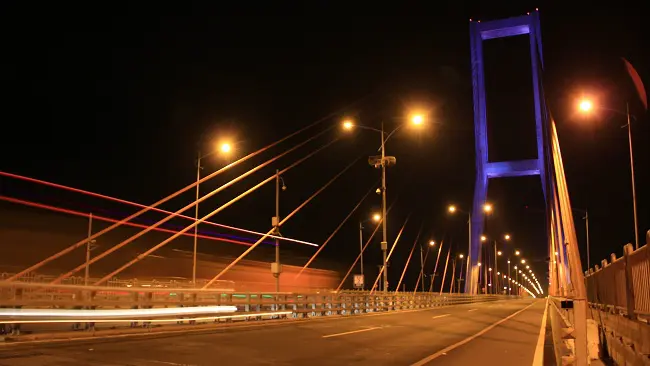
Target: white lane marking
[[443, 351], [538, 360], [440, 316], [472, 310], [350, 332]]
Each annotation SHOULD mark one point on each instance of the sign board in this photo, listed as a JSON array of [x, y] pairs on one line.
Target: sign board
[[358, 281]]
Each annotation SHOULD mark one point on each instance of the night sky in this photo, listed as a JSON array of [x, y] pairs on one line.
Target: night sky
[[117, 100]]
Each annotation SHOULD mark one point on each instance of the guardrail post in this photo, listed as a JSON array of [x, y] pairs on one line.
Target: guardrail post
[[629, 287]]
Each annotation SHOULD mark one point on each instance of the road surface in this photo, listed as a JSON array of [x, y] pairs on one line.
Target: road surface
[[500, 333]]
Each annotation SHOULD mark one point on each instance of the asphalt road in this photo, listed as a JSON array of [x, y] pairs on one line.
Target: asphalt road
[[501, 333]]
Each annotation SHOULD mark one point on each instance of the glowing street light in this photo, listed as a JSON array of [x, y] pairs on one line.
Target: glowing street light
[[499, 253], [586, 105], [487, 208], [432, 243], [376, 217], [507, 236], [451, 208], [523, 261], [224, 148], [483, 238], [517, 252], [479, 264], [382, 161], [461, 256]]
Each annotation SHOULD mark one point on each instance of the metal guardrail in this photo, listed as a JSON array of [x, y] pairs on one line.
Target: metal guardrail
[[247, 306], [619, 296], [37, 295], [623, 284]]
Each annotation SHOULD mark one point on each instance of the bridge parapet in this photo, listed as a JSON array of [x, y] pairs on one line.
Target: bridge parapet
[[76, 304], [618, 292]]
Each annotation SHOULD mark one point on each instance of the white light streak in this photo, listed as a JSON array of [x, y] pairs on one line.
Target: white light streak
[[114, 313], [198, 319]]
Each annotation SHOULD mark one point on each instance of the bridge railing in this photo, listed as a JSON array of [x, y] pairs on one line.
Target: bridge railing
[[619, 296], [38, 295], [622, 285]]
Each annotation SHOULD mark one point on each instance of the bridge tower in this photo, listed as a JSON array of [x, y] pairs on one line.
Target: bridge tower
[[486, 170]]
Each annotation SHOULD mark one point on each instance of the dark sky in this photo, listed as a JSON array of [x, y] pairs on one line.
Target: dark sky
[[114, 100]]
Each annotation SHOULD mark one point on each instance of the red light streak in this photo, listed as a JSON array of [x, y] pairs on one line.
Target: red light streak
[[114, 199], [103, 218]]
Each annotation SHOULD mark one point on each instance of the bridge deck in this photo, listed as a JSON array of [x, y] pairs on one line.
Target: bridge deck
[[500, 333]]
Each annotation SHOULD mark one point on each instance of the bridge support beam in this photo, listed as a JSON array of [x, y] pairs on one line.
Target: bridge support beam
[[485, 170]]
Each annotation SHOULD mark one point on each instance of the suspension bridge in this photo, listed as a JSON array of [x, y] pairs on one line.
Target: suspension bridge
[[303, 310]]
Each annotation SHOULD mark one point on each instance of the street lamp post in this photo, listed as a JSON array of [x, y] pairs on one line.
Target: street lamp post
[[88, 249], [496, 269], [382, 162], [361, 248], [422, 267], [587, 106], [509, 279], [452, 209], [276, 268], [460, 279], [224, 148], [384, 241]]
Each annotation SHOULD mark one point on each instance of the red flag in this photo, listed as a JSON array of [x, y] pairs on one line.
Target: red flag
[[638, 84]]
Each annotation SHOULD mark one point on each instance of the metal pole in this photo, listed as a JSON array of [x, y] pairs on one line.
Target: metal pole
[[509, 278], [435, 268], [196, 215], [629, 137], [90, 233], [496, 270], [361, 249], [384, 242], [277, 230], [421, 268], [587, 232], [460, 280]]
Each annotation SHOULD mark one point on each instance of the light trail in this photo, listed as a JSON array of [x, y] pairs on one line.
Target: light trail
[[221, 208], [208, 195], [196, 319], [115, 313], [163, 200], [98, 195], [102, 218], [292, 213]]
